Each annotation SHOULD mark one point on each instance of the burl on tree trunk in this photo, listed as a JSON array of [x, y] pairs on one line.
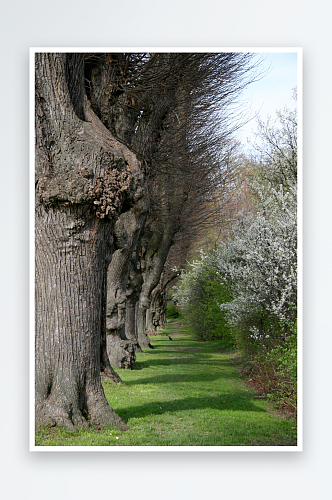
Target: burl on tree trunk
[[83, 177]]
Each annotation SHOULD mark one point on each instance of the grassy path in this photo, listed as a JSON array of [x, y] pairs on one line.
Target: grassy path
[[183, 393]]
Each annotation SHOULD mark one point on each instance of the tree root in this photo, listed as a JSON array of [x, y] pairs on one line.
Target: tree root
[[56, 416], [107, 416], [66, 413], [111, 376]]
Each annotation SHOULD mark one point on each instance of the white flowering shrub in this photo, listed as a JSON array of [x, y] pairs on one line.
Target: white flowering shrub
[[261, 257], [258, 263], [261, 263]]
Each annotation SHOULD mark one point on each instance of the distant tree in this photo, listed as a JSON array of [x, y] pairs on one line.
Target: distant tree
[[276, 149]]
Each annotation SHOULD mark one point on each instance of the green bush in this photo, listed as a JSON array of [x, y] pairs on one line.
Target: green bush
[[204, 315], [257, 331], [274, 367], [172, 311], [284, 356]]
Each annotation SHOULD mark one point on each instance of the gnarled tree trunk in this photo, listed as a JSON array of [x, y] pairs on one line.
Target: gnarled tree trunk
[[134, 286], [83, 177], [121, 349], [106, 370], [156, 314], [152, 264]]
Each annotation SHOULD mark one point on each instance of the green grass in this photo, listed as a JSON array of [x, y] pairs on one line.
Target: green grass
[[183, 393]]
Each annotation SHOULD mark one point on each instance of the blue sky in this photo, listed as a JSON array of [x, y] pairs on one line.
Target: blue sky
[[273, 91]]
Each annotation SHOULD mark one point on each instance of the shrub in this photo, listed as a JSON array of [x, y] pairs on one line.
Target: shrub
[[284, 356], [172, 310], [199, 294]]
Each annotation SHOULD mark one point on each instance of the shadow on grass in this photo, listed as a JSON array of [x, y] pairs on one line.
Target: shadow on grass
[[182, 378], [175, 359], [237, 401], [183, 358], [163, 345], [166, 349]]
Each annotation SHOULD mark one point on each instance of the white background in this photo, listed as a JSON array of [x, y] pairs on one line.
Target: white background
[[162, 475]]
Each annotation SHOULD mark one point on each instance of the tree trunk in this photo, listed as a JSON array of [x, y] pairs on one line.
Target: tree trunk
[[70, 254], [155, 315], [134, 286], [149, 320], [152, 267], [121, 352], [106, 370], [130, 318], [121, 349], [142, 337], [83, 177]]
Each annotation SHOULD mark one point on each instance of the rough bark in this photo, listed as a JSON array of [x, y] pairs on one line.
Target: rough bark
[[121, 352], [149, 321], [68, 314], [152, 262], [121, 349], [130, 323], [156, 314], [134, 286], [83, 178], [106, 370]]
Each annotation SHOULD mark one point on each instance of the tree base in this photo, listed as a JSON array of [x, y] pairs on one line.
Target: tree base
[[144, 341], [111, 376], [153, 333], [74, 420], [138, 348], [71, 409], [121, 353]]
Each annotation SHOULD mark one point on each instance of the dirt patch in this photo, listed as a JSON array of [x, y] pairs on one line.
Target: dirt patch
[[176, 325]]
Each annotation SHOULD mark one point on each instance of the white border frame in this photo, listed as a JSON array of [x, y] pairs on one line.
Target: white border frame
[[32, 446]]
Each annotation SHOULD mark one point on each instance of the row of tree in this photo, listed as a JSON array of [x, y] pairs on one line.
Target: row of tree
[[132, 160]]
